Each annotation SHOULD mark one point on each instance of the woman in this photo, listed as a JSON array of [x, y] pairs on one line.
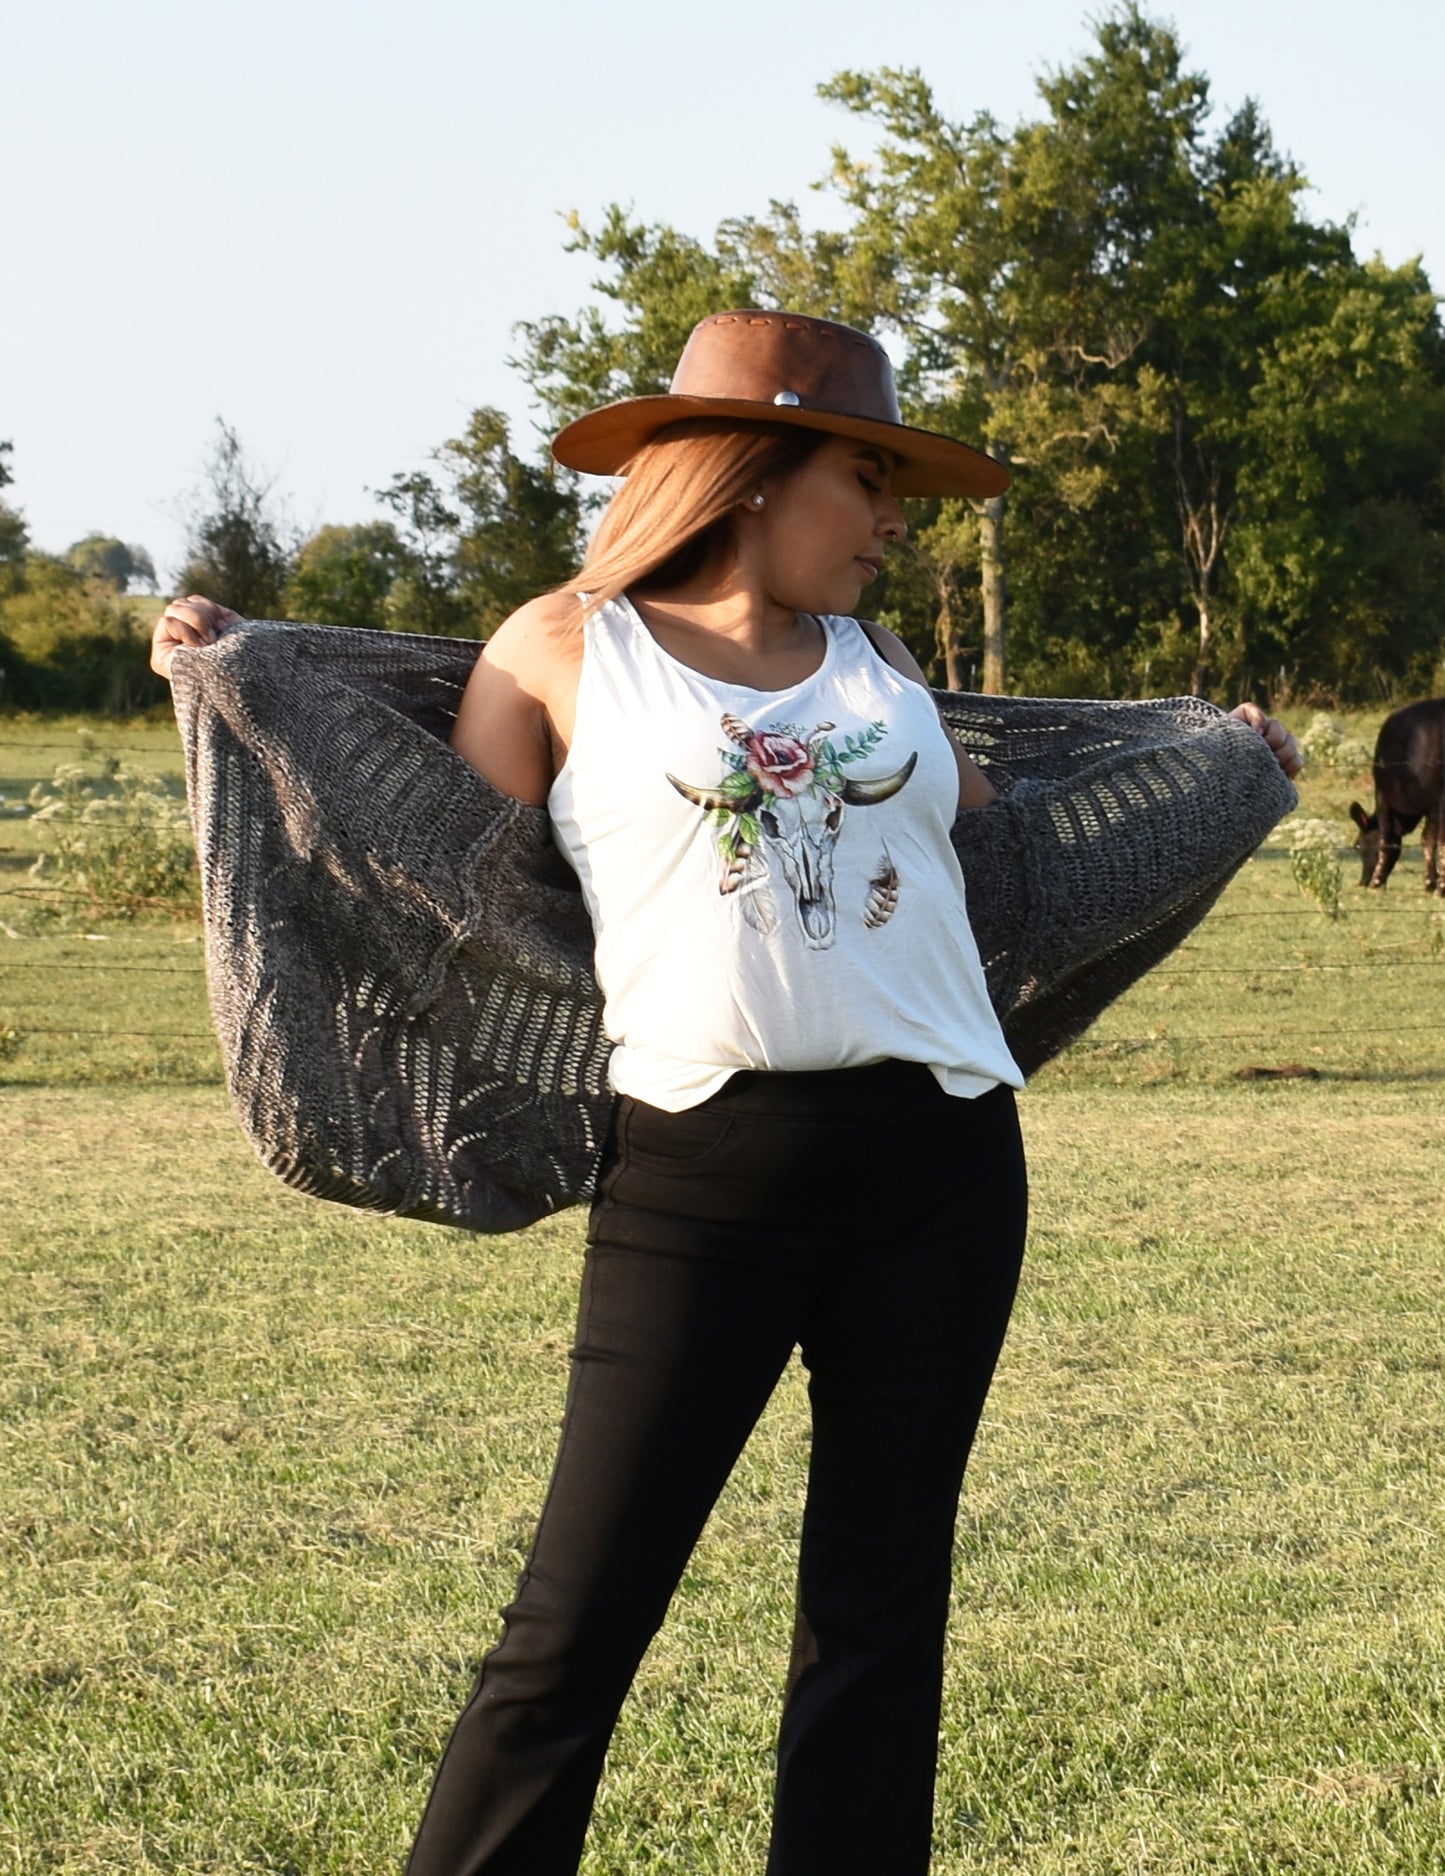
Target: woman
[[815, 1142]]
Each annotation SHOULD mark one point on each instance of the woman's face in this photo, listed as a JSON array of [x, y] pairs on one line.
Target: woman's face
[[820, 535]]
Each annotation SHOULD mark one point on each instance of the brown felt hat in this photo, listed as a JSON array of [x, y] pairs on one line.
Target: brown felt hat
[[784, 368]]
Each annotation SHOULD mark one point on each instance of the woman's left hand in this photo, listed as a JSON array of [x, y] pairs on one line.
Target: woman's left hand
[[193, 621], [1286, 749]]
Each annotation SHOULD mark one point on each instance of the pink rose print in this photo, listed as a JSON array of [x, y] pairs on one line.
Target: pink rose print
[[778, 807], [780, 764]]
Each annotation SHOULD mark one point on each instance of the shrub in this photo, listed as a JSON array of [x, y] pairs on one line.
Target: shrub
[[1328, 742], [1314, 860], [345, 575], [70, 643], [116, 834]]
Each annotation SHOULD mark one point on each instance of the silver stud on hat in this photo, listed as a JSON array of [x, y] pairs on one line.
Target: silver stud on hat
[[787, 397]]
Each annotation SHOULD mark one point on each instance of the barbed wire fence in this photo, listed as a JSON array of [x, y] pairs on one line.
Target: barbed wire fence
[[1371, 968], [14, 1020]]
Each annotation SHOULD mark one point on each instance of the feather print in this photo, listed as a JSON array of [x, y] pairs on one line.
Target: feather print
[[882, 900], [736, 729], [745, 872], [737, 858], [756, 899]]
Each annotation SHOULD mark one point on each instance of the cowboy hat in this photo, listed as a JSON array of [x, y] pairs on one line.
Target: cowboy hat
[[791, 369]]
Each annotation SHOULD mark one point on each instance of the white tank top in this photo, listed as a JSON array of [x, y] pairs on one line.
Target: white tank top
[[769, 873]]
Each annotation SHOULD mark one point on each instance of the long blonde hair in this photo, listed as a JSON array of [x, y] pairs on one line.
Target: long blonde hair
[[674, 507]]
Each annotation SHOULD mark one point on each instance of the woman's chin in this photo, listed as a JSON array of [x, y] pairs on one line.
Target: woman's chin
[[842, 600]]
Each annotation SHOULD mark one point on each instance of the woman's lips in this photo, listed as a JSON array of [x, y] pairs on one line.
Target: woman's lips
[[871, 568]]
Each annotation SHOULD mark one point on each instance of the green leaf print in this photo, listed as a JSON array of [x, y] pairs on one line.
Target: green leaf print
[[856, 747], [737, 785]]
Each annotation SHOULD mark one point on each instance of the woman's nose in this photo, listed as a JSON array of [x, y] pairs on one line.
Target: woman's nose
[[892, 526]]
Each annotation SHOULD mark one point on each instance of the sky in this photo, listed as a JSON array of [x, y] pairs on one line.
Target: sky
[[321, 222]]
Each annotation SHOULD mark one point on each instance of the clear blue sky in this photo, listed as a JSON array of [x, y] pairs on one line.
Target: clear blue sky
[[321, 220]]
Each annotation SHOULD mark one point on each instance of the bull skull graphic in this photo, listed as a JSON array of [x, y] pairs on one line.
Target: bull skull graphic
[[786, 793]]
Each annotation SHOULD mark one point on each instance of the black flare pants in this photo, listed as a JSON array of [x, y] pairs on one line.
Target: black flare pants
[[876, 1223]]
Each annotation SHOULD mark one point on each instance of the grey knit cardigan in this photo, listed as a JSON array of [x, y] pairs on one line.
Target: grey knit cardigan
[[400, 963]]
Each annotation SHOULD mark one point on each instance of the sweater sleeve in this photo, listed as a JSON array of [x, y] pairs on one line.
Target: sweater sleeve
[[1119, 827]]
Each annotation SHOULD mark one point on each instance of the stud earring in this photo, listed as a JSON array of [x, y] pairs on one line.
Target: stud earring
[[760, 500]]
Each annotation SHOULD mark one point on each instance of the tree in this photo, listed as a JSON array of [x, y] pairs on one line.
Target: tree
[[662, 282], [238, 549], [1015, 265], [484, 534], [347, 575], [73, 644], [521, 522], [103, 558], [1235, 291], [424, 597], [14, 535], [1003, 265], [1339, 557], [929, 593], [1138, 315], [1130, 307], [933, 234]]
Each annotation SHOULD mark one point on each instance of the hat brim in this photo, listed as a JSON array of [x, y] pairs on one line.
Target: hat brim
[[604, 442]]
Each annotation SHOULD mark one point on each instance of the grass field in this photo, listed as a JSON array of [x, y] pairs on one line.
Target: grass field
[[269, 1468]]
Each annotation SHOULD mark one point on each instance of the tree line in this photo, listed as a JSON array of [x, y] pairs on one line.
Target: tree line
[[1227, 429], [459, 546]]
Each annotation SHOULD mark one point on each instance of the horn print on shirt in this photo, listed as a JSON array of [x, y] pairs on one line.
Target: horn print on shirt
[[783, 793]]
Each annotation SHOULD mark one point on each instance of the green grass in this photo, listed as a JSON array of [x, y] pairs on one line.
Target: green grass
[[269, 1467], [87, 998]]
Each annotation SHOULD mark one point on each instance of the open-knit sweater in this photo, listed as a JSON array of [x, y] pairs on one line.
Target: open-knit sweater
[[400, 962]]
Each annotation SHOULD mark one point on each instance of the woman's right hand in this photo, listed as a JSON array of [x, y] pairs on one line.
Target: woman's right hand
[[191, 621]]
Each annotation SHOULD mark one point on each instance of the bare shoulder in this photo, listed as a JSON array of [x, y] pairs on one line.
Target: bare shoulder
[[891, 648], [537, 638], [516, 714]]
